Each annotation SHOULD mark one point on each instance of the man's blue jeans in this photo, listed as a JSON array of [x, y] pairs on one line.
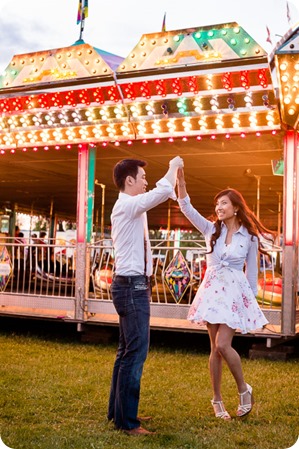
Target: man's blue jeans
[[131, 298]]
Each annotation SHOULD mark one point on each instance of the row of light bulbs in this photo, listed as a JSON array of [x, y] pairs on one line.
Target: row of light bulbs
[[108, 113], [156, 127], [105, 143], [130, 91]]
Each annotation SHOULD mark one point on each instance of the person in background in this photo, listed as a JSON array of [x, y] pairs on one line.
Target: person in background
[[17, 230], [21, 249], [19, 255], [52, 266], [42, 254], [33, 237], [225, 300], [131, 289], [31, 253], [41, 239]]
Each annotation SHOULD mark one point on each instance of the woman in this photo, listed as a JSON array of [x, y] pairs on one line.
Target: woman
[[225, 300]]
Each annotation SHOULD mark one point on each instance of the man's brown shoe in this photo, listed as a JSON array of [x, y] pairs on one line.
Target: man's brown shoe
[[138, 431]]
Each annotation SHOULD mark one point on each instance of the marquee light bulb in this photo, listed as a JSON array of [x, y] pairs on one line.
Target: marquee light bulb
[[285, 77]]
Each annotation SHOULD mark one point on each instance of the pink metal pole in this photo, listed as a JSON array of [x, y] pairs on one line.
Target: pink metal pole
[[290, 231]]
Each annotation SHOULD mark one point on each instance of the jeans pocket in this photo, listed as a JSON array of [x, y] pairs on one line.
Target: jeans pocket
[[122, 298]]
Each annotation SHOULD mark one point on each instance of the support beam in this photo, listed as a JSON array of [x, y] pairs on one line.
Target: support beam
[[82, 190], [290, 243], [90, 192]]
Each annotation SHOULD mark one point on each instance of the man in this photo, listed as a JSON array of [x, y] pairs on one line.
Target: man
[[130, 289]]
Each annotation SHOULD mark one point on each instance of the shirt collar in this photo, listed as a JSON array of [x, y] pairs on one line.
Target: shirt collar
[[241, 230], [123, 195]]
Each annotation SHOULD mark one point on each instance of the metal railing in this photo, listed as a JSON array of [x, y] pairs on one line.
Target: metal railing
[[176, 279], [50, 270], [37, 269]]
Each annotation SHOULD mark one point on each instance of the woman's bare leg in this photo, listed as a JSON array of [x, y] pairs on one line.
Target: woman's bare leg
[[215, 362], [224, 347]]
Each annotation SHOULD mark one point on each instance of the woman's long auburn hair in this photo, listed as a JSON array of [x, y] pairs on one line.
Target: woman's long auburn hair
[[245, 216]]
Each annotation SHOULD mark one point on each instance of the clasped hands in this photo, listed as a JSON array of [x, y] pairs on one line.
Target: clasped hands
[[176, 162]]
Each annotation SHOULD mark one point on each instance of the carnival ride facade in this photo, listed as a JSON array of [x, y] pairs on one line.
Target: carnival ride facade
[[190, 91]]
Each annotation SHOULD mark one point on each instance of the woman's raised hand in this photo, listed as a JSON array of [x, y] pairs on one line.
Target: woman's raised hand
[[182, 192]]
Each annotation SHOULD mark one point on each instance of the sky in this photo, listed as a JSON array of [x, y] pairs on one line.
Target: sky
[[116, 26]]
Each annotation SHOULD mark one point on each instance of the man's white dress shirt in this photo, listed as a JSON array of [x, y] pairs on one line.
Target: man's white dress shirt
[[130, 229]]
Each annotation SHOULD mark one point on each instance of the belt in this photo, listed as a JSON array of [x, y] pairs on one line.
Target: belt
[[127, 280]]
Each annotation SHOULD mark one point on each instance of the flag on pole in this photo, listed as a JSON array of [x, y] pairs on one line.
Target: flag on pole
[[86, 9], [288, 12], [164, 23], [79, 13], [82, 10], [268, 36]]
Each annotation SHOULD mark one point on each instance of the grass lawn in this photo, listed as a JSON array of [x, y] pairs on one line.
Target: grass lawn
[[54, 394]]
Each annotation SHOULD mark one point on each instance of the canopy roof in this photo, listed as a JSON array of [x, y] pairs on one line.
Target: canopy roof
[[209, 80], [74, 63], [221, 45]]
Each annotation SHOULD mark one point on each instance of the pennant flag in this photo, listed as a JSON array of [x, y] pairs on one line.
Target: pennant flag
[[82, 10], [268, 36], [288, 13], [79, 14], [164, 23], [86, 9]]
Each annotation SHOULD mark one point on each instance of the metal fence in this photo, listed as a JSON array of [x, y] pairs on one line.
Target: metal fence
[[37, 269], [179, 269], [49, 270]]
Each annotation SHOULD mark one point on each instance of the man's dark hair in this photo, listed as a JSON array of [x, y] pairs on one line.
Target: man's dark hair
[[124, 168], [42, 234]]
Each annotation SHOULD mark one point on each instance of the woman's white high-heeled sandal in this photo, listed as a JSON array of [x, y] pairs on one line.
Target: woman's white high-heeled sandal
[[244, 409], [219, 410]]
